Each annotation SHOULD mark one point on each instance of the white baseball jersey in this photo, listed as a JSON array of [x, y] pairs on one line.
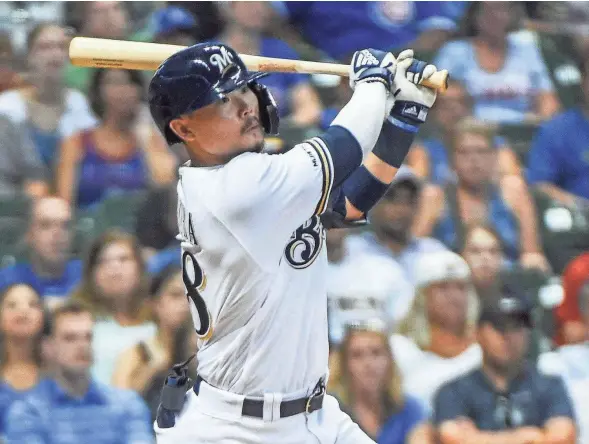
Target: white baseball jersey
[[255, 268]]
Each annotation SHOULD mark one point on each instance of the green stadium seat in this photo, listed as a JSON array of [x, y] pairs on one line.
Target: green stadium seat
[[561, 243], [559, 56], [14, 214], [520, 137], [119, 211]]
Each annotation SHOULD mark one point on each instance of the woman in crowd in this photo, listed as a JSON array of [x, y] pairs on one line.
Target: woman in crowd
[[436, 341], [431, 158], [369, 387], [504, 73], [483, 253], [115, 287], [49, 110], [21, 327], [245, 23], [445, 212], [145, 365], [120, 154]]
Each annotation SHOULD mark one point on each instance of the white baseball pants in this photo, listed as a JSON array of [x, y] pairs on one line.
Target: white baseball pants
[[214, 417]]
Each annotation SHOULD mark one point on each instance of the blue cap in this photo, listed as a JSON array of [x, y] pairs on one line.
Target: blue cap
[[172, 19]]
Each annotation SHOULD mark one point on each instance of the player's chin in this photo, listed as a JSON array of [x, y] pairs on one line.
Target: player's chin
[[253, 141]]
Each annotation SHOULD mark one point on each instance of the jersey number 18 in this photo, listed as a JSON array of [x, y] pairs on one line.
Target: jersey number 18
[[196, 281]]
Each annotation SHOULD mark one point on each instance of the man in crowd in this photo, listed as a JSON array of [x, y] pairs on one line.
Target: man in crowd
[[506, 400], [571, 362], [69, 406], [49, 269], [392, 218], [381, 286], [558, 163]]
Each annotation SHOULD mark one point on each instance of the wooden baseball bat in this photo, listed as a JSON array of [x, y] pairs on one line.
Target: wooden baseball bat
[[104, 53]]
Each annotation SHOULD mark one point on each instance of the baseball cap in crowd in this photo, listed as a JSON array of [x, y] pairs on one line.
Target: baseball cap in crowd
[[507, 312], [440, 266], [404, 176], [171, 20]]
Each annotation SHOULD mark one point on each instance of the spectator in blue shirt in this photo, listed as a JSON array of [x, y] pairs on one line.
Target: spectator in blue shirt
[[340, 28], [506, 399], [474, 198], [504, 73], [558, 162], [70, 406], [21, 327], [369, 387], [430, 158], [246, 23], [50, 269]]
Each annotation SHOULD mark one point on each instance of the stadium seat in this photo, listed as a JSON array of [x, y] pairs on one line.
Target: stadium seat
[[118, 211], [565, 233], [519, 137], [14, 214]]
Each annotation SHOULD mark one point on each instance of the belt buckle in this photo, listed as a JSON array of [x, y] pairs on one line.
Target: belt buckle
[[318, 391]]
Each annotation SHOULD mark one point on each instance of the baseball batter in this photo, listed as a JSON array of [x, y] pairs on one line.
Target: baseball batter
[[253, 251]]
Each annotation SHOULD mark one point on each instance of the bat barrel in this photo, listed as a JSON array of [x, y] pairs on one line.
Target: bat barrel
[[104, 53]]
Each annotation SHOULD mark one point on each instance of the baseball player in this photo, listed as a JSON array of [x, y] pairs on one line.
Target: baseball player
[[253, 254]]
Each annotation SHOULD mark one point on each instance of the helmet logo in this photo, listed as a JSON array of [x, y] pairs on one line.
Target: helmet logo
[[221, 59]]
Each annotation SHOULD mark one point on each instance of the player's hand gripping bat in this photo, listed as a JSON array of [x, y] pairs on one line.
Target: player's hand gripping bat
[[103, 53]]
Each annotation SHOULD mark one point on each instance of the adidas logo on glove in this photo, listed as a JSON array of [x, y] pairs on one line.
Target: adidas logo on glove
[[411, 110], [366, 58]]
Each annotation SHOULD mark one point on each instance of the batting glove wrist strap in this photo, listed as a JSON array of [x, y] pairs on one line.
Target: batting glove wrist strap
[[363, 190], [408, 115], [394, 142], [372, 75]]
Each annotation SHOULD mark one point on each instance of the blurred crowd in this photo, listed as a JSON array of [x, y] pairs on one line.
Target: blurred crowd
[[458, 314]]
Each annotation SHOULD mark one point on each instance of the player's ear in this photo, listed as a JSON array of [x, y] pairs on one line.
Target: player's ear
[[182, 130]]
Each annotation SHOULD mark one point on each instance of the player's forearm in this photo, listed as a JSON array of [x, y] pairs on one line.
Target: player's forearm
[[366, 186], [364, 114]]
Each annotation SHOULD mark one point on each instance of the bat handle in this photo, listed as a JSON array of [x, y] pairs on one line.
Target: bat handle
[[438, 81]]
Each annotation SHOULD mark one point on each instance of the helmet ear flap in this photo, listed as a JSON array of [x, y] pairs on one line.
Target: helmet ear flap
[[268, 109]]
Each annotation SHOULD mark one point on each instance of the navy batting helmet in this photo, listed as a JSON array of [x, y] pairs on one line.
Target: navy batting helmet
[[199, 76]]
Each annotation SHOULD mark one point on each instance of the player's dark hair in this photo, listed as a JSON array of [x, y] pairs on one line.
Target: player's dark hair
[[37, 353], [95, 89]]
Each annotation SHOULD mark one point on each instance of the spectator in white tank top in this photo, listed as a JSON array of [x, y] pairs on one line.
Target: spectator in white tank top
[[48, 110], [436, 342]]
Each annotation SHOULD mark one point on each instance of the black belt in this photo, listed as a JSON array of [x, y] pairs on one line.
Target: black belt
[[255, 407]]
